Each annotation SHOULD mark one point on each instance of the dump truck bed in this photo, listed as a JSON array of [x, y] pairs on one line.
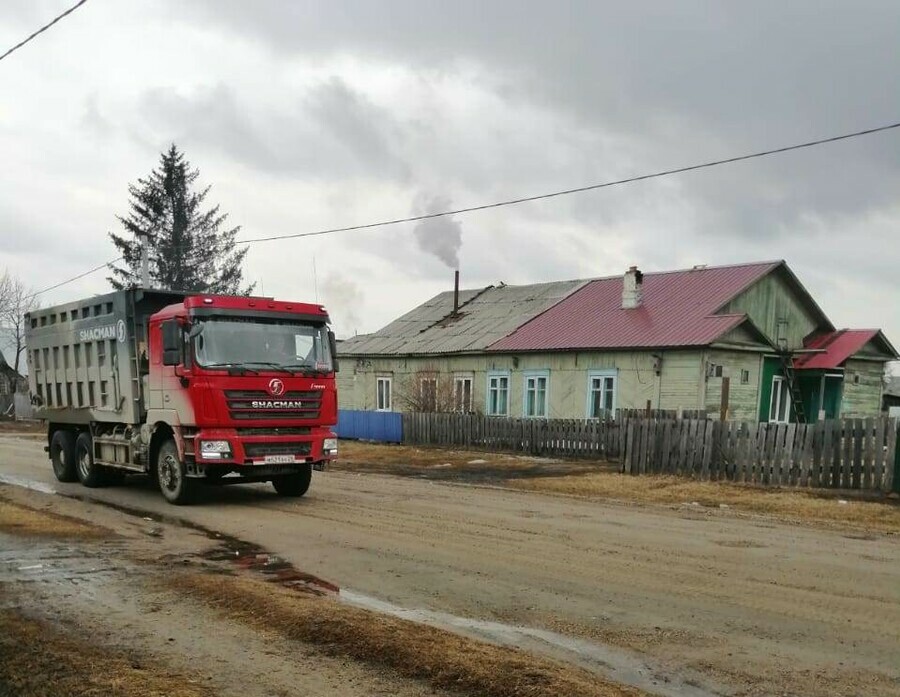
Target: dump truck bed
[[86, 359]]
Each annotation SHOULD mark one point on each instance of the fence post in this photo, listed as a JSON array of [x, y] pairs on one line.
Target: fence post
[[723, 406], [892, 470]]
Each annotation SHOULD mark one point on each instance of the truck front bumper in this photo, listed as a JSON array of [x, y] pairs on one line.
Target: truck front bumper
[[257, 448]]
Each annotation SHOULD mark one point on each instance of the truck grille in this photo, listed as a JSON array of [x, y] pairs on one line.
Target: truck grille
[[274, 431], [263, 449], [258, 405]]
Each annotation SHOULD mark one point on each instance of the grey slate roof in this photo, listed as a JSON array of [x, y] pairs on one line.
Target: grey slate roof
[[485, 316]]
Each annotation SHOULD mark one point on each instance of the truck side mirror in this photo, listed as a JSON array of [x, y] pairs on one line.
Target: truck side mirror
[[332, 344], [171, 342]]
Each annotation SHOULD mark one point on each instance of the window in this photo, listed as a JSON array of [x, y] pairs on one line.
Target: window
[[713, 370], [745, 377], [780, 404], [601, 394], [383, 394], [498, 394], [536, 394], [428, 394], [462, 394]]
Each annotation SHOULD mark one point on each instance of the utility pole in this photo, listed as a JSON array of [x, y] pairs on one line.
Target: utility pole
[[145, 260]]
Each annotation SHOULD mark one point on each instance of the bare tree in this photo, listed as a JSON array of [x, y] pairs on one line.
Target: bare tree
[[429, 391], [16, 299]]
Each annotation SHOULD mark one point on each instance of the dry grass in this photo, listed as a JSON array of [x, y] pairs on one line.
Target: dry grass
[[444, 659], [445, 463], [37, 660], [21, 520], [807, 506]]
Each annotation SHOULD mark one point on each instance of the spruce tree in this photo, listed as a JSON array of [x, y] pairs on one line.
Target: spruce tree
[[191, 249]]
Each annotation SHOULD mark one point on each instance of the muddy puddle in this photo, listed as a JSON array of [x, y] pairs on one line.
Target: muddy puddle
[[52, 564]]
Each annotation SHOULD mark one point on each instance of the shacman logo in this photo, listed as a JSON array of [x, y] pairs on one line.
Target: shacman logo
[[276, 387], [115, 331], [276, 404]]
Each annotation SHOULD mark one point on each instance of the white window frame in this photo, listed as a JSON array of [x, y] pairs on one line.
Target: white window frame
[[536, 375], [775, 404], [612, 374], [460, 403], [380, 392], [493, 375]]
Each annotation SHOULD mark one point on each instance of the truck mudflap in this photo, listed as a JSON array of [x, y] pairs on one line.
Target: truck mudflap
[[320, 466]]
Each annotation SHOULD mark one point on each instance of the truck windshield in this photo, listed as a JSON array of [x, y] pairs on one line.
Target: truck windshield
[[261, 345]]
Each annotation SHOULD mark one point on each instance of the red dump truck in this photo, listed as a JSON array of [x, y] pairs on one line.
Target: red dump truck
[[186, 388]]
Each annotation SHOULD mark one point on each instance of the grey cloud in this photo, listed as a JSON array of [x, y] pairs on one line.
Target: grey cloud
[[687, 82], [331, 131]]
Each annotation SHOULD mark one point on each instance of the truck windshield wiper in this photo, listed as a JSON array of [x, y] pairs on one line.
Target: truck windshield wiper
[[306, 369], [232, 368], [268, 364]]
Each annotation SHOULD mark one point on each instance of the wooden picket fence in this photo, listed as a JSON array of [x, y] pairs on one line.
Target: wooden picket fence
[[845, 454], [594, 439]]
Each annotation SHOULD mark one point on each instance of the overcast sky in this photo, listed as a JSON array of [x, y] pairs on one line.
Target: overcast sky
[[309, 115]]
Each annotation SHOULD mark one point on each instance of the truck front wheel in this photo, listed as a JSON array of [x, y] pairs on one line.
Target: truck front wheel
[[295, 484], [90, 474], [171, 475], [62, 456]]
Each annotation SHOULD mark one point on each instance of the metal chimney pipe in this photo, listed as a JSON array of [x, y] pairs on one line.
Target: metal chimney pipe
[[456, 292]]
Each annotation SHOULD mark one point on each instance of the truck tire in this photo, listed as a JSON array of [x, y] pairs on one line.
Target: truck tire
[[90, 474], [294, 485], [171, 476], [62, 456]]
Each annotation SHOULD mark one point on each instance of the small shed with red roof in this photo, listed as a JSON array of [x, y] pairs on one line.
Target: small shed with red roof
[[583, 348]]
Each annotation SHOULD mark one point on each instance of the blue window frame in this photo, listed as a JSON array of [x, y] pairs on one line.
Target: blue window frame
[[601, 393], [497, 393], [536, 394]]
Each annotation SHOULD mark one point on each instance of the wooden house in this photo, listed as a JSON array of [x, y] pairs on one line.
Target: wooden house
[[586, 348]]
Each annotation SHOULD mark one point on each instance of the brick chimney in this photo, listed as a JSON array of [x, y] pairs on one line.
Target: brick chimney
[[632, 288]]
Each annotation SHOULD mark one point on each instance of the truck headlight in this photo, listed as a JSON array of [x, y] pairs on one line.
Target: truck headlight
[[329, 446], [215, 449]]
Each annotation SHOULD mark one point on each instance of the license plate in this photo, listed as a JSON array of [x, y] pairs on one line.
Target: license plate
[[278, 459]]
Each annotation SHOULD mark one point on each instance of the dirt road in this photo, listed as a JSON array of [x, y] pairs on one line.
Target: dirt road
[[734, 605]]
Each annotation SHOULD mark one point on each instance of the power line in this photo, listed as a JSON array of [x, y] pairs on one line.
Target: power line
[[74, 278], [44, 28], [578, 190], [526, 199]]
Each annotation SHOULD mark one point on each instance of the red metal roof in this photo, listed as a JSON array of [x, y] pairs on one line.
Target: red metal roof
[[677, 310], [837, 346]]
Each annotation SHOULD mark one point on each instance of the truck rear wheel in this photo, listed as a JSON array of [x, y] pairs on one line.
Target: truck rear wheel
[[294, 485], [171, 475], [62, 456], [90, 474]]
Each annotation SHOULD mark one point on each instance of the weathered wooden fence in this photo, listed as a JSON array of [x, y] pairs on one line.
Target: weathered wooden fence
[[595, 439], [846, 453]]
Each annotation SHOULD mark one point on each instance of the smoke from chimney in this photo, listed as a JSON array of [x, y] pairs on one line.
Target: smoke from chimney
[[441, 237]]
